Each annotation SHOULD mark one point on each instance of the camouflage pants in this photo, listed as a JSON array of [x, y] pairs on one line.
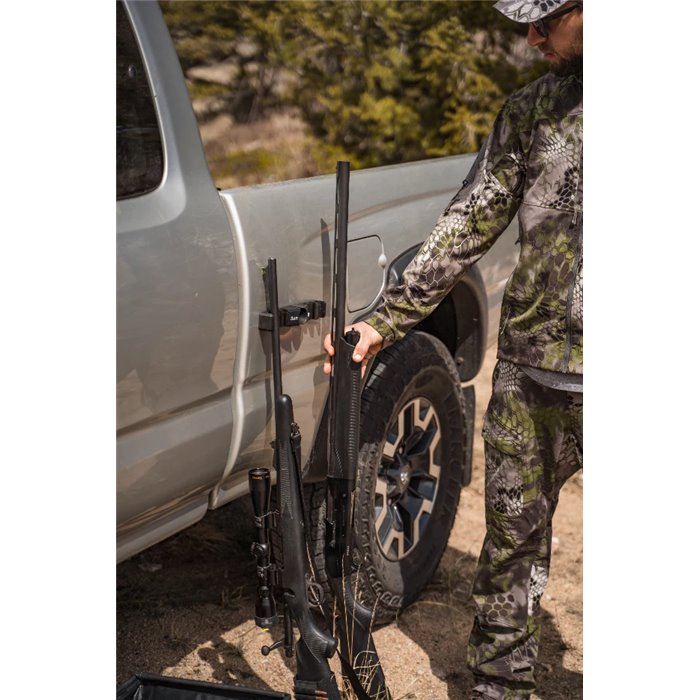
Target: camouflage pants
[[533, 444]]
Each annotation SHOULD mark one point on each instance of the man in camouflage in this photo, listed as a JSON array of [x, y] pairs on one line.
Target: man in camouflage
[[531, 164]]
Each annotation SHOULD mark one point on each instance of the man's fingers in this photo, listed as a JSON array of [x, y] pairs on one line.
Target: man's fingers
[[361, 349], [365, 362], [369, 344], [328, 345]]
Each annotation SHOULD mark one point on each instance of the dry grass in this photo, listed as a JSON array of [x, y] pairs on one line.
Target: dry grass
[[269, 150]]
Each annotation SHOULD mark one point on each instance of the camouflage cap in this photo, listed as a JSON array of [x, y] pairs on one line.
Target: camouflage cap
[[528, 10]]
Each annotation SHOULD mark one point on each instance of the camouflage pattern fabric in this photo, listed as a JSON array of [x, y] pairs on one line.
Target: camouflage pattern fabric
[[528, 10], [533, 442], [531, 164]]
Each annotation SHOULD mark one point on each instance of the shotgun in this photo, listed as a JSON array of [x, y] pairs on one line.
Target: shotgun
[[353, 619]]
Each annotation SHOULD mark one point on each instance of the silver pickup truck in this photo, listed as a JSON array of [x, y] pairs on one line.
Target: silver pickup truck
[[194, 408]]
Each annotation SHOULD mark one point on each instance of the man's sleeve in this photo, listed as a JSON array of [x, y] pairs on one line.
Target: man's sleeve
[[480, 211]]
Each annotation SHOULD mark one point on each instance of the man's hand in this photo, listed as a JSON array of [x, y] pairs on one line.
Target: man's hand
[[370, 344]]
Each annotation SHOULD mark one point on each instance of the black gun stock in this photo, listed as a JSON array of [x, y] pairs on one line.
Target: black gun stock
[[354, 619], [314, 678]]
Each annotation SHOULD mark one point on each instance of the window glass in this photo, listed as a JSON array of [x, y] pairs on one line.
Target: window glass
[[139, 149]]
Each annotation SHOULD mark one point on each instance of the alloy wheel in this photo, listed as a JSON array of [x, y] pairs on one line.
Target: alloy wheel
[[408, 479]]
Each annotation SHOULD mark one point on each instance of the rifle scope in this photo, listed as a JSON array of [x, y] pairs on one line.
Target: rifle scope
[[260, 490]]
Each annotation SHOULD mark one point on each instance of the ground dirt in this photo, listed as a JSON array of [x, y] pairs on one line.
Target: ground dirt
[[185, 607]]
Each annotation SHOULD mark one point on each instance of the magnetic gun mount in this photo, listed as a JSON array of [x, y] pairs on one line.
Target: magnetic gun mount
[[294, 314]]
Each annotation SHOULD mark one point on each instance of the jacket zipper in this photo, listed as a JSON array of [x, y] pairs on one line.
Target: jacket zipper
[[570, 296]]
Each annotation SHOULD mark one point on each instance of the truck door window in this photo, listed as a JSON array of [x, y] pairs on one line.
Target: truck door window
[[139, 148]]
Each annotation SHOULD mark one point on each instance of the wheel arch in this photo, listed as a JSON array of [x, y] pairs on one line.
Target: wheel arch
[[460, 321]]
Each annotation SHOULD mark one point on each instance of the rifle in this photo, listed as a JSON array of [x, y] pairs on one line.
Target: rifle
[[354, 619], [314, 679]]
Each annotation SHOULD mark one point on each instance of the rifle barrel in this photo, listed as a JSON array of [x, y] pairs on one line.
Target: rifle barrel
[[274, 309]]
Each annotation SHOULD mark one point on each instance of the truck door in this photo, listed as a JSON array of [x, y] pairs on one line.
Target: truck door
[[176, 294]]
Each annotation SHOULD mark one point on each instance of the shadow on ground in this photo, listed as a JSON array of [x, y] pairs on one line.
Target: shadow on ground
[[179, 599], [185, 608], [441, 621]]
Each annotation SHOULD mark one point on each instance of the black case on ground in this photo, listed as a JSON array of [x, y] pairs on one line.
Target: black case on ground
[[145, 686]]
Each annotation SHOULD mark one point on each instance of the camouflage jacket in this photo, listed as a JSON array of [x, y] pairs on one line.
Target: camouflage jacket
[[531, 164]]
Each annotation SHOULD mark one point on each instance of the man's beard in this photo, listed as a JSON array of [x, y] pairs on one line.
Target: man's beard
[[573, 65], [569, 66]]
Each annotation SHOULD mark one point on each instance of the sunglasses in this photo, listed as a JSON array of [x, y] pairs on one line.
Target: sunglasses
[[541, 26]]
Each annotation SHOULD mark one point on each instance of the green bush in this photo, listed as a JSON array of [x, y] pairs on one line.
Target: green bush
[[377, 80]]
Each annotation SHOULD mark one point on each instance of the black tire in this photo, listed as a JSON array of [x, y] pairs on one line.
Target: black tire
[[412, 382]]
